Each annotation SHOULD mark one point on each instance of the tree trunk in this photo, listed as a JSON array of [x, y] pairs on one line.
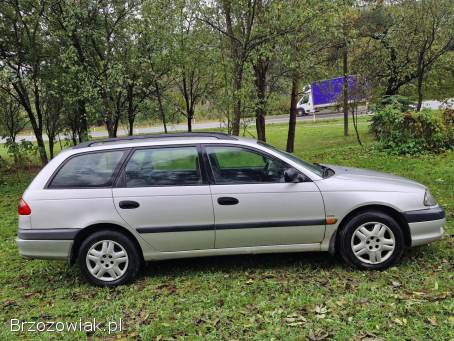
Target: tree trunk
[[261, 69], [131, 115], [293, 112], [391, 89], [41, 147], [420, 87], [260, 127], [37, 130], [190, 116], [237, 85], [110, 125], [83, 128], [345, 89], [73, 137], [130, 126], [355, 122], [161, 108], [51, 146], [420, 94]]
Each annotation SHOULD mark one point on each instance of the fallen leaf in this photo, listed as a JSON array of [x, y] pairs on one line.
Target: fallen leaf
[[294, 320], [395, 284], [317, 335], [341, 302], [400, 322], [320, 311], [432, 320]]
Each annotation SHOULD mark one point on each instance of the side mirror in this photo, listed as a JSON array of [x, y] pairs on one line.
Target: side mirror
[[292, 175]]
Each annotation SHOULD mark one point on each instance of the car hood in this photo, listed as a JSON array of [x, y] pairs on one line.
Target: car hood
[[373, 177]]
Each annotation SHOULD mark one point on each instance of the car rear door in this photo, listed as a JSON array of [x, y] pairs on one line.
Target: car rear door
[[164, 195], [254, 206]]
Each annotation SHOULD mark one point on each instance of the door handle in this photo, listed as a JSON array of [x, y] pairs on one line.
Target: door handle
[[228, 201], [128, 204]]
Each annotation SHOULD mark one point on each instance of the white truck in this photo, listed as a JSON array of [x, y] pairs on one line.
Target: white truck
[[323, 94]]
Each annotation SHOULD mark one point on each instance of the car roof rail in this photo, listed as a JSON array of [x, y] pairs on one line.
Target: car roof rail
[[220, 136]]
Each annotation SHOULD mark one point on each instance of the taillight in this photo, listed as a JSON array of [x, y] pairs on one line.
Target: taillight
[[23, 208]]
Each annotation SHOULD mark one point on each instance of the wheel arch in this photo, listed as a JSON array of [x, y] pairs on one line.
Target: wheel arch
[[85, 232], [398, 216]]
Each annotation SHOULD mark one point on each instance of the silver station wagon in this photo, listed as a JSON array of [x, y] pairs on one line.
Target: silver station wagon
[[109, 205]]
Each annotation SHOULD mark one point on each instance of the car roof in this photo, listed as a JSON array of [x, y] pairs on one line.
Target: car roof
[[140, 138], [159, 139]]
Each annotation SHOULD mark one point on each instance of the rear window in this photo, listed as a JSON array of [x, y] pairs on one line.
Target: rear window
[[88, 170]]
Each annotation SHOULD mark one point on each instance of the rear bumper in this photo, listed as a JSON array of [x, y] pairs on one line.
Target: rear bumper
[[44, 249], [426, 225], [45, 243]]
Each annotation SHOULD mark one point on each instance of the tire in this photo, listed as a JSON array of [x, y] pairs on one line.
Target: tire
[[108, 258], [372, 241]]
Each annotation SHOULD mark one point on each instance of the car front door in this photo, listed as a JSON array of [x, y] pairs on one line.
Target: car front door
[[254, 206], [163, 195]]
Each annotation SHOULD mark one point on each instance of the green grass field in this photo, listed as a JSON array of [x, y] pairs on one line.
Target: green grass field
[[304, 296]]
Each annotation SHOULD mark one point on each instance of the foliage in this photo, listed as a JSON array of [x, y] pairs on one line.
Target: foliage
[[410, 132], [74, 65], [12, 121], [448, 120], [401, 103]]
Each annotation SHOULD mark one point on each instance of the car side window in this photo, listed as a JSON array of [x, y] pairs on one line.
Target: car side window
[[88, 170], [171, 166], [236, 165]]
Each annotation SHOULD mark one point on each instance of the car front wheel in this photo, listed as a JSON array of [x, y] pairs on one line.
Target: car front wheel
[[108, 258], [371, 240]]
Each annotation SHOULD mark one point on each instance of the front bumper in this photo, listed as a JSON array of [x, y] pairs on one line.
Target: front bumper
[[44, 249], [426, 225]]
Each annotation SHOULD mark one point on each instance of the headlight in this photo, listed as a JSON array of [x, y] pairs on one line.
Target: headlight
[[429, 200]]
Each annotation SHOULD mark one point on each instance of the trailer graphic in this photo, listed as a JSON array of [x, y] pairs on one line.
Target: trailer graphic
[[328, 93]]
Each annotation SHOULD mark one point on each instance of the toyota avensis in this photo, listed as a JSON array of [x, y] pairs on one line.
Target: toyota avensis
[[111, 204]]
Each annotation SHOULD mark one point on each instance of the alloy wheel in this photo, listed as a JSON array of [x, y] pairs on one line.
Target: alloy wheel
[[107, 260], [373, 243]]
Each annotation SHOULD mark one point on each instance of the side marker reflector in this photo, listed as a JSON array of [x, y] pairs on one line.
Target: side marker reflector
[[330, 220]]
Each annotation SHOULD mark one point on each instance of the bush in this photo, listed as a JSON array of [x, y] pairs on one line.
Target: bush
[[401, 103], [448, 120], [412, 132], [21, 152]]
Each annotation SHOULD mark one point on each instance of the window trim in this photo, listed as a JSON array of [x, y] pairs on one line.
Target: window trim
[[121, 181], [113, 178], [212, 179]]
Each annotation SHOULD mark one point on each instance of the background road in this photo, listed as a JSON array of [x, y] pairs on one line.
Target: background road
[[202, 125]]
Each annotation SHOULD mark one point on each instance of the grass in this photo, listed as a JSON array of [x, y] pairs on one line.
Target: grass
[[286, 297]]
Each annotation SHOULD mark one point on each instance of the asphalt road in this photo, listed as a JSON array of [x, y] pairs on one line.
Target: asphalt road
[[196, 125]]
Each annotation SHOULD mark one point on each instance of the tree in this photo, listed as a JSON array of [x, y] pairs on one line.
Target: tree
[[158, 54], [70, 26], [52, 112], [406, 40], [237, 21], [22, 53], [193, 58], [11, 119], [433, 24], [307, 38]]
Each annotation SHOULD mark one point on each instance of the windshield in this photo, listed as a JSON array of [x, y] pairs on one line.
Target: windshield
[[313, 168]]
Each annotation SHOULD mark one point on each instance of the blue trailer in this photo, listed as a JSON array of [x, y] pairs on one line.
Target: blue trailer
[[328, 93]]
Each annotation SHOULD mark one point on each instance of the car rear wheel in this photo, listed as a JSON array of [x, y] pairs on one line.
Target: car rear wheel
[[371, 240], [108, 258]]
